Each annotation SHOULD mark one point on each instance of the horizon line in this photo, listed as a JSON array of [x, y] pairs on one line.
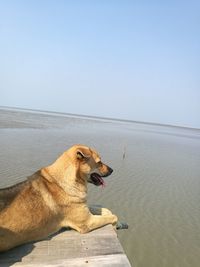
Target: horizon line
[[95, 117]]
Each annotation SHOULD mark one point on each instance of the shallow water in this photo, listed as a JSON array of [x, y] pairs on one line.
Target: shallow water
[[155, 186]]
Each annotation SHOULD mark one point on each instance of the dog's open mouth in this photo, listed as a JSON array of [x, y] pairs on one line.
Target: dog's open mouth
[[96, 179]]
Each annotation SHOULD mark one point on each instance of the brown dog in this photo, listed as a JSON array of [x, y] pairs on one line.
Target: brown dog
[[52, 198]]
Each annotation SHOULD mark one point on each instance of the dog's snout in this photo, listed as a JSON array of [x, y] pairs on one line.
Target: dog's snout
[[107, 172]]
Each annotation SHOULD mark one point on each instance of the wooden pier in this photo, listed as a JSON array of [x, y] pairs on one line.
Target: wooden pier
[[71, 249]]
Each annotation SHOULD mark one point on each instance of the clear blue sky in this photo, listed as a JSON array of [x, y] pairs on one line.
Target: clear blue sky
[[136, 60]]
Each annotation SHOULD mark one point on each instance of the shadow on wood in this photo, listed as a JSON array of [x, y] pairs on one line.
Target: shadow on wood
[[15, 255]]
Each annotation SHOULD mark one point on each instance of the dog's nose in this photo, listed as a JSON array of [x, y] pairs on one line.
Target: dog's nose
[[110, 170]]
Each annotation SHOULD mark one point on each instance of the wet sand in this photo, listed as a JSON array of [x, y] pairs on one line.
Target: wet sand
[[155, 186]]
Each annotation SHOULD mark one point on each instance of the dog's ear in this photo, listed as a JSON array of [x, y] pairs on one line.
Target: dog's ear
[[83, 153]]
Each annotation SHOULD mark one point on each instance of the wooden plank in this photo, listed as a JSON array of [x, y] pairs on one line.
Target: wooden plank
[[69, 248], [100, 261]]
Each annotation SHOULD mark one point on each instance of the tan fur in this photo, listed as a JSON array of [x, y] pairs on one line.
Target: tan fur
[[52, 198]]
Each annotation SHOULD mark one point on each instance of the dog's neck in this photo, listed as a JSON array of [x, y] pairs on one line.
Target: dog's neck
[[66, 178]]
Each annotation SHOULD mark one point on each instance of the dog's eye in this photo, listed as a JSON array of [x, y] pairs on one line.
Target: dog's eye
[[99, 163]]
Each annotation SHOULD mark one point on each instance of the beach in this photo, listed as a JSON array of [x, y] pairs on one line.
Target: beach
[[155, 185]]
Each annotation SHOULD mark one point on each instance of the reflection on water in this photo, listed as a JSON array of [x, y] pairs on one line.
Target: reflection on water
[[155, 187]]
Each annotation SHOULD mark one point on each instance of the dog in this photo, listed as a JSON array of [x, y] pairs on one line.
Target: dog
[[54, 197]]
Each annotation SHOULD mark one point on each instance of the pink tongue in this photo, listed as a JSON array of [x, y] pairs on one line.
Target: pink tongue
[[103, 184]]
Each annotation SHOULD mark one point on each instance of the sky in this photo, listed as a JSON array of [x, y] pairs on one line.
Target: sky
[[135, 60]]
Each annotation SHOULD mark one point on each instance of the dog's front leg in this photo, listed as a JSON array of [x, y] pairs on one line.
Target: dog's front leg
[[81, 219], [91, 222], [97, 221]]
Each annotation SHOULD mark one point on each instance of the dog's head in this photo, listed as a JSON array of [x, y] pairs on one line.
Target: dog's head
[[89, 165]]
